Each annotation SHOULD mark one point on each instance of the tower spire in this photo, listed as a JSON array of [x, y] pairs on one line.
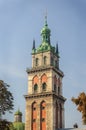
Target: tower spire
[[57, 49], [33, 44], [46, 18], [45, 32]]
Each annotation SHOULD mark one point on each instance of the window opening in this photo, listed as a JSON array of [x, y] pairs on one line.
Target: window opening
[[44, 86], [35, 87]]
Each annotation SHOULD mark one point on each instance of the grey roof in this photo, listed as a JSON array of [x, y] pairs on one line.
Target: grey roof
[[72, 129]]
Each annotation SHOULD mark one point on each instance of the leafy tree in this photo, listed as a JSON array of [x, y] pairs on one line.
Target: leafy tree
[[80, 102], [6, 98], [5, 125]]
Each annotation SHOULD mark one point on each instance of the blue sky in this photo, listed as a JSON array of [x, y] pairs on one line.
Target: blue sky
[[20, 22]]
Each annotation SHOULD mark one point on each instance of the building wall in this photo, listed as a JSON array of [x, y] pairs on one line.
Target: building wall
[[52, 96], [39, 74], [49, 113], [48, 76]]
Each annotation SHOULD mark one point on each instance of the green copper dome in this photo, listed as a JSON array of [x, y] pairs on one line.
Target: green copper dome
[[45, 29], [45, 32], [45, 43], [45, 47], [18, 113]]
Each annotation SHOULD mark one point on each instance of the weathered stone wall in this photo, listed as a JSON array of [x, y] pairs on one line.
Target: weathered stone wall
[[39, 74], [49, 112]]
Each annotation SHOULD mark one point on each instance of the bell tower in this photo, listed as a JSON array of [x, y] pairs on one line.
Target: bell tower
[[44, 100]]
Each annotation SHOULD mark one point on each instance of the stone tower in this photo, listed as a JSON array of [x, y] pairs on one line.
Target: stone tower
[[18, 116], [44, 101], [18, 124]]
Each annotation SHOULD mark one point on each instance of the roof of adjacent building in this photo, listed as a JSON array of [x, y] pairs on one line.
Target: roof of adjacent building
[[19, 125], [73, 129]]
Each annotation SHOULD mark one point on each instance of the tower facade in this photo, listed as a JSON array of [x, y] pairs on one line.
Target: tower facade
[[44, 101]]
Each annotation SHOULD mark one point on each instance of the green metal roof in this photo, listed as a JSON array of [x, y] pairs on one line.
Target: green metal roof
[[18, 113], [45, 44], [19, 126]]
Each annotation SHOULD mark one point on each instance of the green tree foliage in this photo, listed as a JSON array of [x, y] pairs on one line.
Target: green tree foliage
[[6, 98], [80, 102], [5, 125]]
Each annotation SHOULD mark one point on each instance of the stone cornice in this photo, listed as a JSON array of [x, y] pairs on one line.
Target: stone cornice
[[47, 94], [43, 68]]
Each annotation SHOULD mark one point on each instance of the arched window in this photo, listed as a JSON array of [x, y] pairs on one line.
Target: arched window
[[45, 60], [59, 82], [43, 115], [55, 83], [35, 79], [55, 87], [58, 90], [56, 63], [34, 116], [60, 116], [44, 78], [59, 85], [56, 115], [37, 61], [52, 61], [55, 80], [44, 82], [35, 83], [44, 86], [35, 87]]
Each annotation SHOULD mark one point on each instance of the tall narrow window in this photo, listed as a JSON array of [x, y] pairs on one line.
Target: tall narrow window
[[52, 61], [44, 82], [44, 78], [56, 115], [55, 83], [43, 116], [56, 63], [60, 116], [59, 85], [37, 61], [58, 90], [44, 86], [35, 87], [54, 87], [45, 60], [34, 116], [35, 83]]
